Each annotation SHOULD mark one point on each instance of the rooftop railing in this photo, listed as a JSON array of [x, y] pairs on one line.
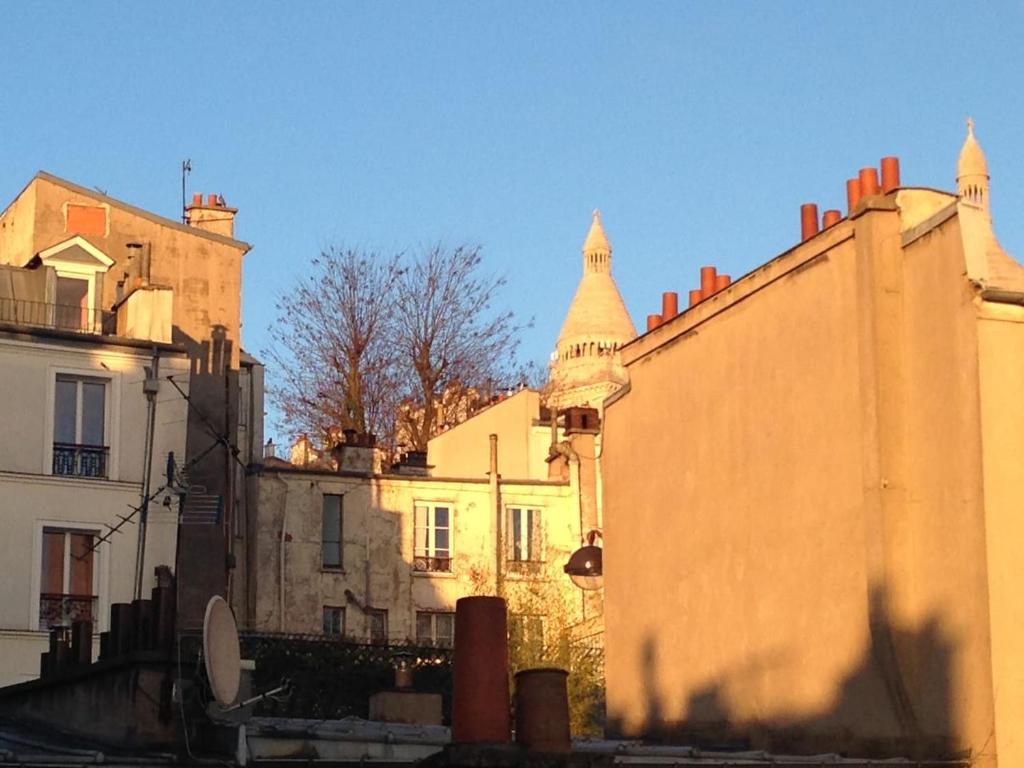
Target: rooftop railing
[[41, 314]]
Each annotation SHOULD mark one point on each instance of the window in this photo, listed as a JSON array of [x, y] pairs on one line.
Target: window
[[377, 625], [435, 628], [334, 621], [524, 535], [330, 531], [79, 431], [432, 550], [66, 584], [526, 633], [72, 310]]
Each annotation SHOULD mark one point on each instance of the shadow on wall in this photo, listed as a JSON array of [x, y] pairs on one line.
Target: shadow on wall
[[203, 554], [896, 701]]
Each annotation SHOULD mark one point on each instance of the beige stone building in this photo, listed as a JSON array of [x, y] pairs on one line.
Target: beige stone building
[[92, 290], [80, 387], [814, 488], [354, 549]]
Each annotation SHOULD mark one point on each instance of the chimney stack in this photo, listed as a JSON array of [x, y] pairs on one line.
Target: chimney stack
[[215, 216]]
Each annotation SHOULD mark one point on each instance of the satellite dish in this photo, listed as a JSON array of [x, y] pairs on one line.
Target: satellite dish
[[221, 655]]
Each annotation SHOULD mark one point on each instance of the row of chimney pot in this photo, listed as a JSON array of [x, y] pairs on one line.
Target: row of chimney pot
[[213, 200], [141, 625], [710, 283], [864, 184]]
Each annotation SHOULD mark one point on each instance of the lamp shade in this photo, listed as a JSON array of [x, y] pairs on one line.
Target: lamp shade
[[585, 567]]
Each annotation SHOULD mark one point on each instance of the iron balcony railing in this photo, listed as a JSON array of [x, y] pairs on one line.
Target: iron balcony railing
[[41, 314], [80, 460], [63, 610], [434, 564]]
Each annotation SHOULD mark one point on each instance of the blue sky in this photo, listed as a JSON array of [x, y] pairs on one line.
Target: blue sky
[[698, 129]]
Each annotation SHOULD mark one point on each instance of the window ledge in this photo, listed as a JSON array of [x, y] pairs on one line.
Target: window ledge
[[435, 574], [326, 569]]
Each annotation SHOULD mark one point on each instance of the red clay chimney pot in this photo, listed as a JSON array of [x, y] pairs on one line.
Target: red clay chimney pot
[[653, 321], [869, 181], [695, 296], [722, 281], [197, 198], [669, 305], [808, 221], [830, 217], [853, 194], [890, 173], [211, 200], [707, 281]]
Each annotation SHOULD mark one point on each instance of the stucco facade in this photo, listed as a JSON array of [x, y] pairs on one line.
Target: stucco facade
[[820, 465], [41, 495]]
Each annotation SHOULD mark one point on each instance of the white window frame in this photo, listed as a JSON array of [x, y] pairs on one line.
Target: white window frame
[[112, 407], [100, 571], [430, 553], [76, 270], [433, 614], [537, 542]]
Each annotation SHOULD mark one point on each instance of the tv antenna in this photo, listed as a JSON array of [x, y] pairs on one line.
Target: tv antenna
[[186, 169]]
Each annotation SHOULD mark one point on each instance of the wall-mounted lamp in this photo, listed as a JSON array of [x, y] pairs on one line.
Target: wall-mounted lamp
[[585, 566]]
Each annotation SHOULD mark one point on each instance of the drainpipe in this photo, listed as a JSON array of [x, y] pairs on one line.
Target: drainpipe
[[150, 387], [281, 559], [499, 538]]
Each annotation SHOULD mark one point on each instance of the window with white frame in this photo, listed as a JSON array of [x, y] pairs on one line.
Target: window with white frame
[[432, 551], [334, 621], [435, 628], [67, 583], [525, 535], [79, 267], [79, 426]]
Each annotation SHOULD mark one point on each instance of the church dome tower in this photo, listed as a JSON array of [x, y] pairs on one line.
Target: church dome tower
[[587, 366], [972, 181]]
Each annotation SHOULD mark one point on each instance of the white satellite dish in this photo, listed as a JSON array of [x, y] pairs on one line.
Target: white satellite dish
[[221, 655]]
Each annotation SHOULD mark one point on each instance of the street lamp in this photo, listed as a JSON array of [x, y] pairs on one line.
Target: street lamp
[[585, 566]]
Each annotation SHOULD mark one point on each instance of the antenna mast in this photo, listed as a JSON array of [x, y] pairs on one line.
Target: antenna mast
[[186, 169]]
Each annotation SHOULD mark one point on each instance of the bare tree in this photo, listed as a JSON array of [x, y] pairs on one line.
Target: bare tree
[[334, 366], [452, 347]]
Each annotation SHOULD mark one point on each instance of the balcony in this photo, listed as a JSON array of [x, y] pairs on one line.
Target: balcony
[[39, 314], [432, 564], [80, 460], [63, 610]]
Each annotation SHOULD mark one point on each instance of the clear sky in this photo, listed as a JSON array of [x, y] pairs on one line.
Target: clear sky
[[698, 129]]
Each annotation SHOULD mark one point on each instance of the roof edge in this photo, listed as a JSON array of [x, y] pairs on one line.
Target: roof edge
[[135, 210]]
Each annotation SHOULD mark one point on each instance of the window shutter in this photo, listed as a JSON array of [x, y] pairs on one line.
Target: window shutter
[[52, 582], [81, 564]]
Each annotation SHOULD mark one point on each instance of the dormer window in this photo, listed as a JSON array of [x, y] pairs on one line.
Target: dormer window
[[78, 292]]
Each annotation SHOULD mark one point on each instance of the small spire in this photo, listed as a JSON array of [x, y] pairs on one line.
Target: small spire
[[972, 180], [972, 160], [596, 240]]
